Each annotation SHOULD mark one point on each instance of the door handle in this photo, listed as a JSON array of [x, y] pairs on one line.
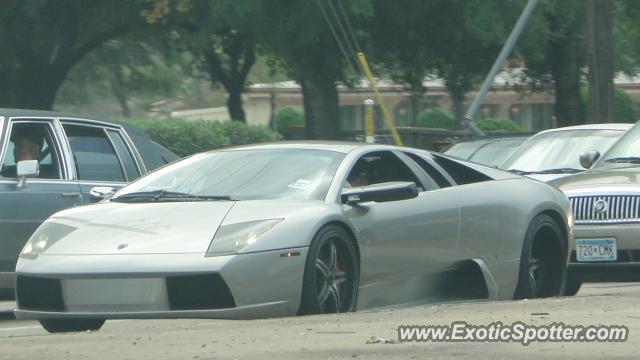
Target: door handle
[[71, 194]]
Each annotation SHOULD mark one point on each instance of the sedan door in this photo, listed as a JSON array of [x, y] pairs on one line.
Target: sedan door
[[24, 208], [403, 242]]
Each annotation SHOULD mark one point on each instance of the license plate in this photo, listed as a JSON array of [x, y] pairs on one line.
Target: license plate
[[596, 250]]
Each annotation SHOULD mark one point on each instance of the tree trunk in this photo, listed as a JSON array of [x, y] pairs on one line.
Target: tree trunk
[[234, 105], [119, 93], [458, 105], [35, 87], [417, 92], [321, 109], [600, 58], [565, 70]]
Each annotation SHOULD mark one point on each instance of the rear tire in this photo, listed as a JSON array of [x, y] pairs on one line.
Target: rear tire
[[543, 262], [573, 286], [331, 274], [63, 325]]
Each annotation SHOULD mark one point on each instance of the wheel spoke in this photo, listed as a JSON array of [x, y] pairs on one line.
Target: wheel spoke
[[323, 295], [339, 277], [323, 268], [335, 294], [333, 256]]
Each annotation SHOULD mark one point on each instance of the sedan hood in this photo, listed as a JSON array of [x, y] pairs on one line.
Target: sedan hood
[[140, 228], [625, 177]]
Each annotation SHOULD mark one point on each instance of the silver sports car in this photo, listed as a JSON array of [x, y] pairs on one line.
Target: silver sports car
[[295, 228]]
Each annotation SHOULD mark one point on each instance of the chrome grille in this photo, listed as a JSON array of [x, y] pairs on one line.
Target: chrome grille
[[619, 209]]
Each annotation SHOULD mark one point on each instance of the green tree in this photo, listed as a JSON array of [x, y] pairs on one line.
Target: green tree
[[469, 37], [221, 34], [128, 69], [554, 50], [297, 34], [409, 58], [41, 40]]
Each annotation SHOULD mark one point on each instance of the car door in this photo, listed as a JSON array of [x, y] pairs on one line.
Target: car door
[[405, 241], [23, 208], [102, 156]]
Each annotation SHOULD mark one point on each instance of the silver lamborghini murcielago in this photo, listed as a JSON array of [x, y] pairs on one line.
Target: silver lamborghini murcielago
[[296, 228]]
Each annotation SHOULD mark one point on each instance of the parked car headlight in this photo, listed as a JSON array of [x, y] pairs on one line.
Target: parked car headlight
[[233, 238], [46, 235]]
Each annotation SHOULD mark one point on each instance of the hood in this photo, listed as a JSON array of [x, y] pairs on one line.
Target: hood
[[140, 228], [546, 177], [623, 177]]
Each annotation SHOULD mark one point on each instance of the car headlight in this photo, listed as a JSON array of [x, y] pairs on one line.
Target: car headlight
[[233, 238], [45, 236]]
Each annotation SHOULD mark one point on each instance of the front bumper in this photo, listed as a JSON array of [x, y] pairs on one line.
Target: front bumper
[[262, 284], [7, 280], [627, 266]]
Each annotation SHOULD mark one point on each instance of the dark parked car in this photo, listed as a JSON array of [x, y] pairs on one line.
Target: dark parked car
[[490, 152], [61, 158]]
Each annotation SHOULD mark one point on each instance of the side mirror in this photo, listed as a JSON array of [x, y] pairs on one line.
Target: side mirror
[[26, 169], [101, 192], [383, 192], [588, 158]]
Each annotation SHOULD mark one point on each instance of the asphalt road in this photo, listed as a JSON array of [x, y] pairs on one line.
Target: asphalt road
[[341, 336]]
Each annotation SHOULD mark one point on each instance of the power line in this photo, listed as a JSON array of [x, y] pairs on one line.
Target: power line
[[346, 19], [336, 37]]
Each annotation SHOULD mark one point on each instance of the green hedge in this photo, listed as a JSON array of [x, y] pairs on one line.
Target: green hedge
[[437, 118], [286, 118], [189, 137], [491, 124], [624, 107]]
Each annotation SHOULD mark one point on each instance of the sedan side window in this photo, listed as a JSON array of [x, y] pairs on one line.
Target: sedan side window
[[128, 162], [93, 153], [380, 167], [31, 141]]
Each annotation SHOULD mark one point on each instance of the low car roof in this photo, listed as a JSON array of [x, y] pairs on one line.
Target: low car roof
[[339, 146], [604, 126], [9, 113]]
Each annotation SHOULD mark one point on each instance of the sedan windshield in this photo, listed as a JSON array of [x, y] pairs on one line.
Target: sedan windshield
[[497, 152], [239, 175], [559, 151], [625, 151]]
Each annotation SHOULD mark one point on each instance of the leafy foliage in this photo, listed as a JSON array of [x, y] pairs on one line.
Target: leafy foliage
[[286, 118], [190, 137], [437, 118], [624, 107], [491, 124]]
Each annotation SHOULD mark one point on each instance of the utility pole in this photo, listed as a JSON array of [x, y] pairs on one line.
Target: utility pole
[[600, 56]]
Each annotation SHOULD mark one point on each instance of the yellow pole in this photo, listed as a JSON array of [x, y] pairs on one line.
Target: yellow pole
[[387, 115], [369, 133]]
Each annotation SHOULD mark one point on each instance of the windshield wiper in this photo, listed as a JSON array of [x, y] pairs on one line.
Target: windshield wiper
[[625, 159], [548, 171], [164, 195]]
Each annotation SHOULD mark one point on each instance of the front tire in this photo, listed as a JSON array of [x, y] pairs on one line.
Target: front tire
[[331, 275], [543, 261], [63, 325]]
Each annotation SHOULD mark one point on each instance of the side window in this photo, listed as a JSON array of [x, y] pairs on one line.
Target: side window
[[461, 174], [31, 141], [380, 167], [429, 169], [94, 156], [128, 162]]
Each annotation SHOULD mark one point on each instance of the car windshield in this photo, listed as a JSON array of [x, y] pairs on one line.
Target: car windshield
[[465, 149], [559, 150], [495, 153], [240, 175], [625, 151]]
